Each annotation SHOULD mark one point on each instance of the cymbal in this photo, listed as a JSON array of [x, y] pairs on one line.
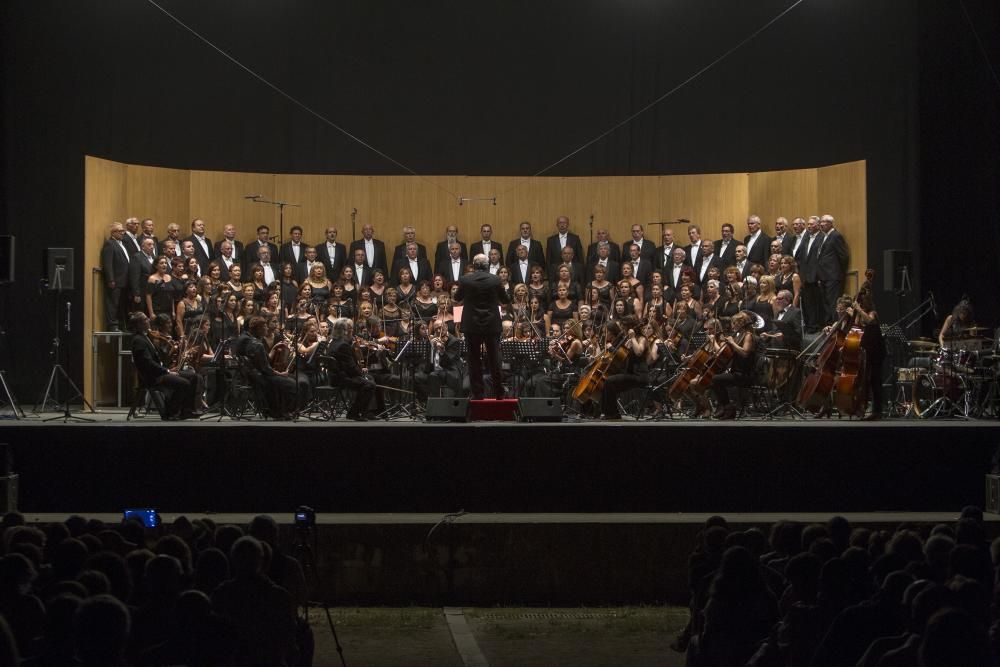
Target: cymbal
[[977, 329], [923, 345]]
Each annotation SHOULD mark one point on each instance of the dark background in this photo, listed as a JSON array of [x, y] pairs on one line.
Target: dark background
[[504, 87]]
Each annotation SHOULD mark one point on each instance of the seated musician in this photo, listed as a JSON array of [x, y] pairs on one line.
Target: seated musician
[[785, 329], [179, 387], [634, 374], [444, 368], [741, 370], [713, 343], [279, 390], [678, 332], [311, 350], [563, 358], [345, 370], [957, 324]]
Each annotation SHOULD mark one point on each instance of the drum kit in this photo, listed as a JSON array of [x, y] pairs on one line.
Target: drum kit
[[957, 380]]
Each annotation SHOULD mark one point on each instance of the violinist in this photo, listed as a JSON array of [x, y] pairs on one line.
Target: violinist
[[711, 299], [713, 344], [444, 313], [277, 388], [657, 310], [785, 329], [179, 387], [538, 320], [740, 371], [686, 297], [311, 348], [445, 367], [634, 374]]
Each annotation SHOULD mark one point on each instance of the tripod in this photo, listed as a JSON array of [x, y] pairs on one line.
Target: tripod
[[305, 540], [52, 388]]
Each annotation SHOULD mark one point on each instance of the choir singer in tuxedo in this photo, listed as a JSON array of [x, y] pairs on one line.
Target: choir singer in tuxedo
[[481, 294]]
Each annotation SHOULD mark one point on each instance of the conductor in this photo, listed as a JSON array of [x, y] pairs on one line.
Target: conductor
[[481, 294]]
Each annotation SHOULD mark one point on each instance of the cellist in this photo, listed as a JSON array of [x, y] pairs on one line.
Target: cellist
[[744, 347], [634, 374]]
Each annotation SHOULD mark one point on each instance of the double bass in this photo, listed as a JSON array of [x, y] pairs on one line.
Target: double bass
[[816, 387], [850, 395]]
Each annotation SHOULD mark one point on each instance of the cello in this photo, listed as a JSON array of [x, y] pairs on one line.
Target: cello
[[607, 363]]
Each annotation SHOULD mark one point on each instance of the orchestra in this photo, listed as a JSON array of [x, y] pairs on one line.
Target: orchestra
[[701, 332]]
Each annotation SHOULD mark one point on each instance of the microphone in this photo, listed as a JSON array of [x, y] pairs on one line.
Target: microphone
[[934, 306], [68, 314], [683, 220], [252, 196]]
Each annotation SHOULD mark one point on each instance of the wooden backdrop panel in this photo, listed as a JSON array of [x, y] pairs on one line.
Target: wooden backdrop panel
[[161, 194], [842, 194], [104, 203], [708, 200], [217, 197], [790, 193], [326, 201]]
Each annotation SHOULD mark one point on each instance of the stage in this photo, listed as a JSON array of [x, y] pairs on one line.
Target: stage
[[684, 466]]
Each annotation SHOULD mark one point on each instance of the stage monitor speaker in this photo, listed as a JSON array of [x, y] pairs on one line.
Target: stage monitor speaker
[[896, 263], [56, 258], [540, 409], [447, 409], [6, 259]]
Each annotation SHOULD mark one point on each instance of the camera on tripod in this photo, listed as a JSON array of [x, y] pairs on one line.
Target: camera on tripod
[[305, 518]]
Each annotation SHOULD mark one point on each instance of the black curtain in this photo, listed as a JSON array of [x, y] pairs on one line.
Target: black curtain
[[492, 87]]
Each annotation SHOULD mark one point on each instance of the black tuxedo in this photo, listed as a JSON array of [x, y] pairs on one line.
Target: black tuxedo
[[423, 269], [746, 268], [365, 276], [800, 253], [451, 373], [612, 274], [477, 249], [336, 263], [695, 258], [613, 252], [441, 253], [698, 277], [400, 252], [178, 388], [379, 261], [515, 273], [535, 253], [279, 390], [668, 276], [661, 260], [114, 267], [786, 243], [444, 268], [203, 257], [481, 295], [250, 254], [831, 267], [647, 251], [727, 258], [139, 271], [761, 249], [791, 326], [553, 251], [238, 249], [286, 254], [132, 245]]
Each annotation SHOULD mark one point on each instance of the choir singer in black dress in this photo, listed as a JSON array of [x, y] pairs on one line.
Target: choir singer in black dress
[[481, 294]]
